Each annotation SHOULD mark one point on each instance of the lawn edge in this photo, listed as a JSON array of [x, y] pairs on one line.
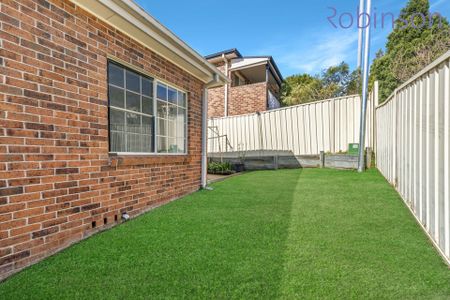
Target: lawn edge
[[418, 222], [96, 231]]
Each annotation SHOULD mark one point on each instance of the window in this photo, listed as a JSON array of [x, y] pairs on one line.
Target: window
[[133, 126], [171, 120]]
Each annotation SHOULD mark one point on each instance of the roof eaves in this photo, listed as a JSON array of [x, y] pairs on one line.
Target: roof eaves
[[217, 54], [272, 62]]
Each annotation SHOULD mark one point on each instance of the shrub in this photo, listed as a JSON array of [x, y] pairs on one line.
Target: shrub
[[219, 168]]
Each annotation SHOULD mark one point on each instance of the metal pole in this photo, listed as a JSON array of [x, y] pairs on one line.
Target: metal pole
[[362, 126], [360, 33], [204, 158], [204, 137]]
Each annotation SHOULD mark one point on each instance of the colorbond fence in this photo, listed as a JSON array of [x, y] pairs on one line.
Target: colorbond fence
[[328, 125], [412, 147]]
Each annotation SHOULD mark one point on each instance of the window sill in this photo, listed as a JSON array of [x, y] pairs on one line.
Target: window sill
[[136, 159]]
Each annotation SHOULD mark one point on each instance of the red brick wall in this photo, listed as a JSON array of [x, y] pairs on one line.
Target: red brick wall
[[216, 97], [56, 176], [246, 99], [242, 99]]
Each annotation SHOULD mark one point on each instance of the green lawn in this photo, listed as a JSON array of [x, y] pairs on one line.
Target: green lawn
[[312, 233]]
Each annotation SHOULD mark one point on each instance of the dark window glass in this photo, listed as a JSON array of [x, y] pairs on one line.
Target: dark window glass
[[135, 124], [117, 130], [115, 75], [147, 125], [147, 87], [130, 122], [162, 92], [116, 97], [147, 105], [133, 102], [172, 96], [133, 82]]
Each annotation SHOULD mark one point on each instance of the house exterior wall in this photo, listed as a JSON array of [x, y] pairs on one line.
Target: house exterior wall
[[56, 174], [246, 99], [216, 97], [242, 99]]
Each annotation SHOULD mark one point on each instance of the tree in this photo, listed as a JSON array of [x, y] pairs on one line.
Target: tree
[[410, 47], [336, 81], [336, 77], [300, 88]]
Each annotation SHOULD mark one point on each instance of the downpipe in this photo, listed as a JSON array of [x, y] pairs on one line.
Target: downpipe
[[205, 130]]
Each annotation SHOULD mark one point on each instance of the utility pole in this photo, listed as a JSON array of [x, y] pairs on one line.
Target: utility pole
[[360, 34], [365, 87]]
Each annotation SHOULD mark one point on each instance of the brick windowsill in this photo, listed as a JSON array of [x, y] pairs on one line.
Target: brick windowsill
[[135, 160]]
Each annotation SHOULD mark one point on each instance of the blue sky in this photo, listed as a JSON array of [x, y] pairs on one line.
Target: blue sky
[[296, 33]]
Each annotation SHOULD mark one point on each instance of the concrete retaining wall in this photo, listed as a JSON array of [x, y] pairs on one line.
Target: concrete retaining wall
[[271, 160]]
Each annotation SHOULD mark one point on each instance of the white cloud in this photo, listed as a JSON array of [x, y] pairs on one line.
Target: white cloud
[[437, 3], [318, 52]]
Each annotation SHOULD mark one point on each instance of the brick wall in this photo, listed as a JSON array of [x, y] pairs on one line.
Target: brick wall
[[247, 99], [56, 176], [216, 97], [242, 99]]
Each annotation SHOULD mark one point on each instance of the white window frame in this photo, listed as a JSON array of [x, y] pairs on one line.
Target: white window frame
[[155, 82]]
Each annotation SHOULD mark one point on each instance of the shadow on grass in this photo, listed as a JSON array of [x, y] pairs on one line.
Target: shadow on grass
[[225, 243]]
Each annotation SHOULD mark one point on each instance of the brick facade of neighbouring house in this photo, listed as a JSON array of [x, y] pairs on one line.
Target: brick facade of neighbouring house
[[56, 175], [216, 107], [246, 99]]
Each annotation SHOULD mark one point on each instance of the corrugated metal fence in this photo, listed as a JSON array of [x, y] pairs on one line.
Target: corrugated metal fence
[[412, 149], [328, 125]]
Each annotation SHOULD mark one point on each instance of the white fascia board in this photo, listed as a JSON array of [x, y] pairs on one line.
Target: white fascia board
[[239, 63]]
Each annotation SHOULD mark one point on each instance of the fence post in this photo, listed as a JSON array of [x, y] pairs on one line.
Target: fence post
[[260, 133], [322, 159], [369, 154], [394, 139], [375, 89], [333, 126], [375, 104]]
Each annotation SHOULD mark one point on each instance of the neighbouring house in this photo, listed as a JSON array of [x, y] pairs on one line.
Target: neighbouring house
[[255, 83], [102, 113]]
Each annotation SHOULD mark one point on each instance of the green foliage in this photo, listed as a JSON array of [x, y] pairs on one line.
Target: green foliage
[[336, 81], [288, 234], [219, 167], [410, 49]]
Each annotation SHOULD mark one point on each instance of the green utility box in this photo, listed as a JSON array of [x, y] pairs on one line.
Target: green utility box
[[353, 149]]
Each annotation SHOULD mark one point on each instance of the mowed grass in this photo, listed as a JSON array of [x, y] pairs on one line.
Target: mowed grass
[[313, 233]]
